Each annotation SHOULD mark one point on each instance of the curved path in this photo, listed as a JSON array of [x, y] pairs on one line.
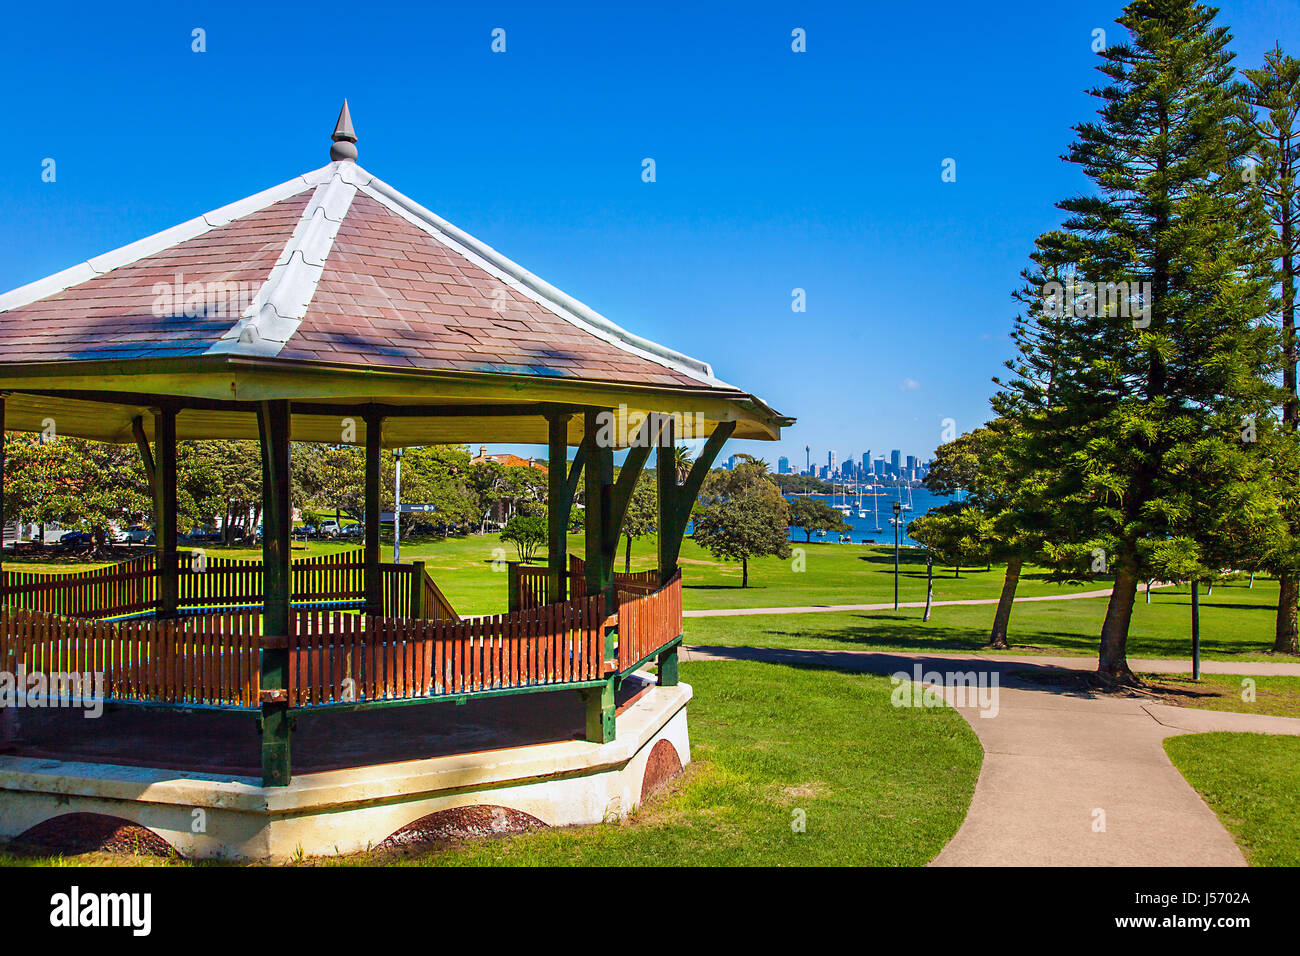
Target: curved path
[[889, 606], [1060, 764]]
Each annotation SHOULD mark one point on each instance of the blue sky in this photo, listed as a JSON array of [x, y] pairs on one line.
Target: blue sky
[[775, 170]]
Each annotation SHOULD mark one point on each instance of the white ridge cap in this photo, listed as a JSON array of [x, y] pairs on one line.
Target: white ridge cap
[[278, 309], [150, 245]]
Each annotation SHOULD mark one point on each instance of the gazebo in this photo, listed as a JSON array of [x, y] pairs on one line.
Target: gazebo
[[332, 308]]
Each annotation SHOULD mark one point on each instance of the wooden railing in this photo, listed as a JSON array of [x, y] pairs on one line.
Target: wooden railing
[[434, 605], [337, 657], [204, 659], [113, 591], [207, 581], [648, 622], [528, 585], [340, 658], [334, 656]]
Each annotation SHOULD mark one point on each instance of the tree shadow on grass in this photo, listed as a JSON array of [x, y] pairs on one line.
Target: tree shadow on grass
[[951, 672], [887, 632]]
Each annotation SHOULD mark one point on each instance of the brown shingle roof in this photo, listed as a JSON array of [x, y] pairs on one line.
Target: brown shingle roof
[[392, 292], [350, 272], [115, 316]]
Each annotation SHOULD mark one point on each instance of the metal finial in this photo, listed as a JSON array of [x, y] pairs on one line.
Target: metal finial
[[344, 138]]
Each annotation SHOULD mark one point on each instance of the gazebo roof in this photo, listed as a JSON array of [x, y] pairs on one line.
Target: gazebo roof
[[332, 289]]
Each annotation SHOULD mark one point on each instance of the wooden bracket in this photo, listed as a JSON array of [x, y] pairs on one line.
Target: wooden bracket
[[279, 695]]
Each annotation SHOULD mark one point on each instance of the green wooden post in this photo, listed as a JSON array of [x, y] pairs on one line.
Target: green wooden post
[[373, 585], [599, 482], [600, 712], [164, 509], [277, 524], [557, 508], [417, 590], [669, 492], [513, 602]]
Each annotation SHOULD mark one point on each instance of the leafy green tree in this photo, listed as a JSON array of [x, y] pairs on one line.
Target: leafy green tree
[[811, 515], [527, 533], [1274, 91], [990, 467], [1162, 355], [740, 515], [80, 484], [642, 514], [956, 534]]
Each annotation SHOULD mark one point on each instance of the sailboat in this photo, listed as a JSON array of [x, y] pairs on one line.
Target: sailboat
[[875, 501], [908, 506]]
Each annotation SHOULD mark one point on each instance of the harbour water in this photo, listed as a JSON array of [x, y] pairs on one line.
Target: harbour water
[[864, 529]]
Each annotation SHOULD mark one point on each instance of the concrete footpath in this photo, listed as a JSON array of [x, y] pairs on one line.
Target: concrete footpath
[[1069, 778]]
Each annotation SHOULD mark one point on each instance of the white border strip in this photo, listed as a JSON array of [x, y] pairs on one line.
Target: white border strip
[[151, 245]]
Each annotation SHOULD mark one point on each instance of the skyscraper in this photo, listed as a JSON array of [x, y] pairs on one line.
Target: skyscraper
[[830, 462], [866, 462], [911, 463], [896, 460], [783, 465]]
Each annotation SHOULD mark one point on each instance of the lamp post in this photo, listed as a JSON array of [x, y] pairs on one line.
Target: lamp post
[[898, 509], [397, 505]]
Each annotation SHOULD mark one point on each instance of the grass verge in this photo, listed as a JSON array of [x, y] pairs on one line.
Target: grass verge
[[1252, 782]]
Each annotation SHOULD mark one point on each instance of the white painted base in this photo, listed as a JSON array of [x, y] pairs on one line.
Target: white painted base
[[344, 811]]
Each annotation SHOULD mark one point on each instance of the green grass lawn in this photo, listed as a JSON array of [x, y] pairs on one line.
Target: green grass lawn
[[879, 785], [1252, 781], [1275, 696], [1236, 621], [826, 573], [1236, 624]]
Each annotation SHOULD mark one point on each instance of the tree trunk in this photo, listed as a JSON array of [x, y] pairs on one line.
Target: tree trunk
[[1285, 636], [627, 554], [998, 636], [744, 572], [1113, 661]]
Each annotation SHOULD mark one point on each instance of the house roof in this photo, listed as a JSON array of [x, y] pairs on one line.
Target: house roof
[[334, 273]]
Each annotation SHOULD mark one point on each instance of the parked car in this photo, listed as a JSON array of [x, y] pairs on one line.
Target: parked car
[[137, 534], [328, 529], [351, 530], [76, 537]]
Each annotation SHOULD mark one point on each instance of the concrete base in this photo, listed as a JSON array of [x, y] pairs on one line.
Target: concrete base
[[216, 816]]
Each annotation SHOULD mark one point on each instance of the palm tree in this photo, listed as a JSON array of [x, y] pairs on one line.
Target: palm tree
[[682, 461]]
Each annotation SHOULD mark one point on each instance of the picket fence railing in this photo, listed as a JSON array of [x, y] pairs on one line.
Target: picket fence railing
[[336, 657], [207, 581]]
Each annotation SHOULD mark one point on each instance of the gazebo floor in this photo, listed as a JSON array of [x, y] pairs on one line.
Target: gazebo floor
[[228, 743]]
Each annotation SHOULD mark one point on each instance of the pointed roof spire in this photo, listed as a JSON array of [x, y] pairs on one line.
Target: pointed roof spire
[[344, 137]]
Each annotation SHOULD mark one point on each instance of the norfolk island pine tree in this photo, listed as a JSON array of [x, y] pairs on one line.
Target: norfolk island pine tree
[[1174, 221]]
